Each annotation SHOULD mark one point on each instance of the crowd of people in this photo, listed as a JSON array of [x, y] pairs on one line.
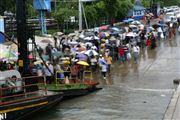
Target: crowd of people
[[98, 49]]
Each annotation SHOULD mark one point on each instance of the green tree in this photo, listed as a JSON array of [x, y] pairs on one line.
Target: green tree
[[91, 15], [124, 7], [7, 5]]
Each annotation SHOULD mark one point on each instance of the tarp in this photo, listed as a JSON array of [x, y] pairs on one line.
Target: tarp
[[2, 37]]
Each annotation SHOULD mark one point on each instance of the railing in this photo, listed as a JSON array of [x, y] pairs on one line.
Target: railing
[[20, 89], [86, 75]]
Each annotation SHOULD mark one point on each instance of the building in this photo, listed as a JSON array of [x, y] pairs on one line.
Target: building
[[138, 11]]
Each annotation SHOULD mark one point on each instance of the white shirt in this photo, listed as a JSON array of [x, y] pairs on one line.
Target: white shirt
[[104, 68], [159, 30], [136, 49]]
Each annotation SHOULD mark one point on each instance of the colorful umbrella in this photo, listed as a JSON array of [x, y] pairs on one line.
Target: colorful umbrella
[[82, 63], [81, 56], [103, 27], [115, 29], [91, 52], [66, 62], [8, 55]]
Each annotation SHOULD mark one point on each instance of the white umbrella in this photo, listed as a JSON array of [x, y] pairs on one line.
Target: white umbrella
[[130, 34], [131, 26], [91, 52], [81, 36], [96, 38], [71, 34], [141, 26], [88, 38], [136, 23], [88, 44], [73, 43]]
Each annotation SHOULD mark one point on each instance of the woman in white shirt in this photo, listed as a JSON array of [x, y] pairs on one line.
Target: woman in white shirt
[[136, 51]]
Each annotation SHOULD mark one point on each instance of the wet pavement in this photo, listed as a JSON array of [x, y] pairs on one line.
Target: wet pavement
[[133, 91]]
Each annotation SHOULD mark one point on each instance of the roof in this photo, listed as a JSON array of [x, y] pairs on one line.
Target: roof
[[138, 7], [137, 2]]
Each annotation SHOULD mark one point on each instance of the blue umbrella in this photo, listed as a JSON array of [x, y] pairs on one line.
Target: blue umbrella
[[102, 61], [81, 57]]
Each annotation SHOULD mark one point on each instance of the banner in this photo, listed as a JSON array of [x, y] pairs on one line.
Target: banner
[[2, 37], [1, 24]]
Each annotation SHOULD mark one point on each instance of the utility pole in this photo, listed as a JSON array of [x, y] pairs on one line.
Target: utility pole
[[80, 15], [22, 36]]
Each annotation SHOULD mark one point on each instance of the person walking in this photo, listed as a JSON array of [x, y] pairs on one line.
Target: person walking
[[104, 69], [136, 51], [109, 62]]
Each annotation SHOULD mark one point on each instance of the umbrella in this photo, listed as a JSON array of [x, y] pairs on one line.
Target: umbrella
[[131, 26], [128, 20], [88, 34], [81, 56], [151, 28], [104, 34], [136, 23], [141, 27], [130, 34], [8, 54], [45, 57], [81, 36], [88, 44], [112, 38], [73, 43], [57, 53], [59, 33], [91, 52], [66, 62], [115, 29], [46, 41], [96, 38], [71, 34], [82, 63], [105, 27], [102, 61], [88, 38]]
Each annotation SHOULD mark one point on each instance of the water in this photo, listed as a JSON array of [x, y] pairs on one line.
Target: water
[[132, 92]]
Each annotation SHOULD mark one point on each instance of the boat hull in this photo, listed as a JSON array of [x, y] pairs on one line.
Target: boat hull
[[73, 90], [23, 109]]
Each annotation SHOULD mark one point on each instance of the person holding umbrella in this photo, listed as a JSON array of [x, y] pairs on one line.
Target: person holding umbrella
[[104, 69]]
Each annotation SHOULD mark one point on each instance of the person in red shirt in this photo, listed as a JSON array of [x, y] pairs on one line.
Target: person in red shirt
[[121, 54], [10, 66]]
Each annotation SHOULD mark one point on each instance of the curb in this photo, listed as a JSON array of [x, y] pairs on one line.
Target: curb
[[172, 107]]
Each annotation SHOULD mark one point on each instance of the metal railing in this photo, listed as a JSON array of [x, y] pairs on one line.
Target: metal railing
[[20, 89]]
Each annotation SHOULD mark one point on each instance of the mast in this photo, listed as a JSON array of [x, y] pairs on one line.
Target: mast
[[80, 16], [22, 36]]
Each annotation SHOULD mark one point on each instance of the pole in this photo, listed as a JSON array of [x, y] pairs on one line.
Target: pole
[[84, 16], [22, 36], [55, 5], [80, 16]]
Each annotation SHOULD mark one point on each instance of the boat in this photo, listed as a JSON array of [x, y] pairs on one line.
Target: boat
[[21, 97], [76, 87]]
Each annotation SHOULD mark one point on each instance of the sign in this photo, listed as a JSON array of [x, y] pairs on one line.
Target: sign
[[1, 24], [3, 116], [72, 18], [42, 5], [20, 63], [2, 37]]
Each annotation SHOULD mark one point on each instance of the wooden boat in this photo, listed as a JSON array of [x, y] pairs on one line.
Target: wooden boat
[[19, 98], [73, 89]]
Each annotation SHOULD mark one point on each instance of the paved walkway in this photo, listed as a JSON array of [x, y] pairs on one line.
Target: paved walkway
[[173, 110]]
